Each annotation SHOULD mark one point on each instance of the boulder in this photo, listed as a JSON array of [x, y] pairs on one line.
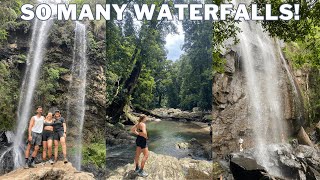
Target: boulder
[[304, 138], [166, 167], [245, 168], [182, 145], [57, 171]]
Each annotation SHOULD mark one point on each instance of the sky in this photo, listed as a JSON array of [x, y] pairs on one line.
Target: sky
[[174, 43]]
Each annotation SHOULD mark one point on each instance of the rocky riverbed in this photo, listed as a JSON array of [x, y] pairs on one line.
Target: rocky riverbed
[[167, 167]]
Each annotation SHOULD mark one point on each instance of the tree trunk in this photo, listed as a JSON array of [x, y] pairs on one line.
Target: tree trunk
[[115, 109]]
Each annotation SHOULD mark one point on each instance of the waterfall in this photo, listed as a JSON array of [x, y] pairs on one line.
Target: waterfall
[[262, 74], [77, 89], [35, 57]]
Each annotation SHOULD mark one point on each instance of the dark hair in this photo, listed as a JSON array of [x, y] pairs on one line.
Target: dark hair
[[39, 107], [57, 111], [142, 117]]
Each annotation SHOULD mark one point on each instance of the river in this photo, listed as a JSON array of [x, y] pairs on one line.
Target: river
[[163, 137]]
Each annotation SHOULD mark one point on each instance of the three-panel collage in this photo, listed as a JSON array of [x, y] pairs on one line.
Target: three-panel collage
[[159, 89]]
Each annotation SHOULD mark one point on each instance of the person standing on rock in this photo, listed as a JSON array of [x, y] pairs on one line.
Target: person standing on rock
[[47, 138], [60, 134], [140, 130], [34, 137]]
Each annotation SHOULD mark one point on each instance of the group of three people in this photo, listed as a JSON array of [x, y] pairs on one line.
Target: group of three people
[[44, 131]]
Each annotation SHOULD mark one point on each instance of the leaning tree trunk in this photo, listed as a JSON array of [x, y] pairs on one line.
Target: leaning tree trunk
[[115, 109]]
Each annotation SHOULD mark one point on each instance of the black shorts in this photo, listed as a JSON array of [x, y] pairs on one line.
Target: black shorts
[[57, 135], [47, 135], [141, 142]]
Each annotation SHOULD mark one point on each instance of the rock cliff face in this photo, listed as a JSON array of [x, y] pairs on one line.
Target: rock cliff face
[[167, 167], [55, 75], [231, 106], [59, 171]]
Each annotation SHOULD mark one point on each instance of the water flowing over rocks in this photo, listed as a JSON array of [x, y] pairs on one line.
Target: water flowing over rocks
[[59, 171], [166, 167], [231, 106]]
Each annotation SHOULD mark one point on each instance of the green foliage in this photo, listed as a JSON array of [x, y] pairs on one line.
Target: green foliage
[[291, 30], [9, 12], [95, 154], [222, 30], [8, 94], [145, 89], [48, 85], [305, 55]]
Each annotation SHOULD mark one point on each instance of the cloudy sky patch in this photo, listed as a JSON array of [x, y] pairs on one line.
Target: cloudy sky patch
[[174, 43]]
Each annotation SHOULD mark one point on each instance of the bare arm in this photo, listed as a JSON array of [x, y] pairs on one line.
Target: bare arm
[[144, 131], [64, 128], [31, 124], [134, 129]]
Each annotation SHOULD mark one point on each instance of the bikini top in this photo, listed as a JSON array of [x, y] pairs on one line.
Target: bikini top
[[139, 130], [48, 124]]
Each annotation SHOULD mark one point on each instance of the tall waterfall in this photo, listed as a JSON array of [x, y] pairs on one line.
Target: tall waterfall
[[77, 89], [34, 61], [262, 67]]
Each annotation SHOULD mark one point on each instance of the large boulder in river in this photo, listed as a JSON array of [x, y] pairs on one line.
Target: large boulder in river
[[49, 172]]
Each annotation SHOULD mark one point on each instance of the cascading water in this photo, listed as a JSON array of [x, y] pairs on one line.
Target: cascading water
[[262, 74], [77, 89], [34, 61]]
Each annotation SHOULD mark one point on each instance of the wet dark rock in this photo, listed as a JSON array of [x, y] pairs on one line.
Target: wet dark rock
[[245, 168], [99, 173], [294, 162], [116, 135], [312, 174]]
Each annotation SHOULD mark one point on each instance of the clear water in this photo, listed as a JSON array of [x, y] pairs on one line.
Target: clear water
[[163, 136]]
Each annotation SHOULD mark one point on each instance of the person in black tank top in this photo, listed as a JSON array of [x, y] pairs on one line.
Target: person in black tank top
[[60, 135], [141, 142]]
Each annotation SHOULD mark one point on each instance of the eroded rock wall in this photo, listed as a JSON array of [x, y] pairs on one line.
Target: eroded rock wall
[[231, 108]]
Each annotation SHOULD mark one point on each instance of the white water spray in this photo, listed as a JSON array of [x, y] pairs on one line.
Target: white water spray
[[34, 61], [262, 73], [77, 90]]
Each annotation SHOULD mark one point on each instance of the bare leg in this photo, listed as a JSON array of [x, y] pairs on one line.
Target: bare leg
[[35, 152], [27, 152], [49, 144], [145, 152], [44, 151], [136, 158], [56, 146], [64, 146]]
